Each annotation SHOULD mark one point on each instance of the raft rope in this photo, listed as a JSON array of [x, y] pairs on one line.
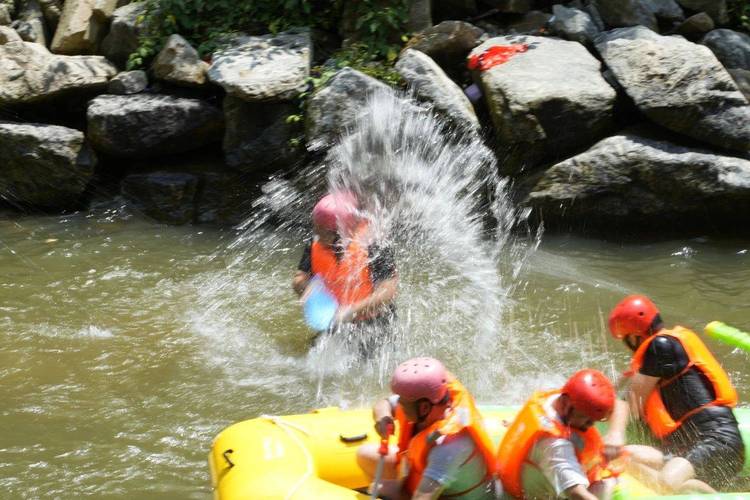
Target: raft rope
[[288, 427]]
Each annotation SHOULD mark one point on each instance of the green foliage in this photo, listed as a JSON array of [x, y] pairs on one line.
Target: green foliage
[[378, 24], [739, 14]]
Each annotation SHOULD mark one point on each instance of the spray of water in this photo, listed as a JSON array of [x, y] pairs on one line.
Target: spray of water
[[431, 194]]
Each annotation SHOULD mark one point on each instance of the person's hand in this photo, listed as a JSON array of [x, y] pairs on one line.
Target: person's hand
[[383, 426], [613, 444]]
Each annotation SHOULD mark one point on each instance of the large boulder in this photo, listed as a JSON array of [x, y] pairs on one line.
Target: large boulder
[[679, 85], [448, 43], [29, 72], [333, 107], [225, 198], [259, 136], [573, 24], [32, 19], [124, 32], [264, 68], [143, 126], [696, 26], [732, 48], [546, 102], [78, 31], [717, 9], [178, 63], [8, 35], [167, 197], [638, 179], [128, 82], [742, 78], [618, 13], [52, 10], [432, 85], [43, 166], [5, 15], [667, 10]]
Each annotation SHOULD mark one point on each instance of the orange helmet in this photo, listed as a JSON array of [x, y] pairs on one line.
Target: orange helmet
[[633, 315], [591, 393]]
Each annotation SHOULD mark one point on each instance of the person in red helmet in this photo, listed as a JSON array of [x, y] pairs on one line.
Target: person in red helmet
[[361, 275], [552, 448], [443, 450], [684, 396]]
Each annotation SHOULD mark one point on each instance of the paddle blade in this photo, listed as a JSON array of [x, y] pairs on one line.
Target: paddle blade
[[319, 307]]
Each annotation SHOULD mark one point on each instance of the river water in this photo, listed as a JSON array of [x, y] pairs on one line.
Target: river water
[[126, 345], [115, 373]]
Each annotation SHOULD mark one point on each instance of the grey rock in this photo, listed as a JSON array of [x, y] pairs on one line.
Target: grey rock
[[258, 136], [52, 10], [637, 179], [448, 43], [44, 166], [717, 9], [8, 35], [548, 101], [30, 13], [742, 78], [144, 126], [696, 26], [679, 85], [178, 63], [29, 72], [420, 15], [78, 32], [618, 13], [432, 85], [124, 32], [263, 68], [732, 48], [225, 199], [104, 10], [592, 10], [25, 30], [128, 82], [5, 15], [668, 10], [532, 23], [167, 197], [573, 24], [334, 107]]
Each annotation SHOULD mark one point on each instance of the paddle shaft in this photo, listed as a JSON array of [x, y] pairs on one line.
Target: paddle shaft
[[728, 335], [383, 452]]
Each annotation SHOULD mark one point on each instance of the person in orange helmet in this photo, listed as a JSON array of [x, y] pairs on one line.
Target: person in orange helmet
[[360, 274], [552, 448], [443, 449], [684, 396]]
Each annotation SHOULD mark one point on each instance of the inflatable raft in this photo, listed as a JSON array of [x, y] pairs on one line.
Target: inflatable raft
[[314, 456]]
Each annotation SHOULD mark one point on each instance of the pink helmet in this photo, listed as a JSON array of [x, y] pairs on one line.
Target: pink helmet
[[420, 378], [335, 210]]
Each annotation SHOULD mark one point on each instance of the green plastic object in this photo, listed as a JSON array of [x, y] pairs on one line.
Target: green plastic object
[[728, 335]]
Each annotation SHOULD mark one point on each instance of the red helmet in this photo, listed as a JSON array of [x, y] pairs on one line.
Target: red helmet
[[335, 210], [420, 378], [591, 393], [633, 315]]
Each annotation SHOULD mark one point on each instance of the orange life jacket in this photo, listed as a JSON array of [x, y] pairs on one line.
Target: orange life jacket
[[347, 279], [462, 414], [656, 415], [532, 424]]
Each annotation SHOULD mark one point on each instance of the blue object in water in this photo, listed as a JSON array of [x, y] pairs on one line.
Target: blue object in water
[[320, 306]]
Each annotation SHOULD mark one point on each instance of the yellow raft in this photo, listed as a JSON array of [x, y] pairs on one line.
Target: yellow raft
[[314, 455]]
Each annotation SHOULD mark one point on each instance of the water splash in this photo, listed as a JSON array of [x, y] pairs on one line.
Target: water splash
[[432, 194]]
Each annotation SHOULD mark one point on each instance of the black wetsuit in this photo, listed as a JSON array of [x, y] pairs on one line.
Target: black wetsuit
[[382, 266], [709, 439]]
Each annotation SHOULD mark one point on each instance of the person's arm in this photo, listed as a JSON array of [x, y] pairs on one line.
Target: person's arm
[[428, 489], [579, 492], [382, 414], [300, 281], [640, 388], [614, 440], [383, 293]]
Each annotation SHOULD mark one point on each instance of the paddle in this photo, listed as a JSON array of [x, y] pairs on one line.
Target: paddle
[[383, 452], [728, 335], [320, 306]]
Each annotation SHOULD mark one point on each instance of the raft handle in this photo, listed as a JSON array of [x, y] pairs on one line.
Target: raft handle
[[226, 457], [353, 439]]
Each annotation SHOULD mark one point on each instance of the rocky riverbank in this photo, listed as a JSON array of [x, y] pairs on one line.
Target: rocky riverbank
[[606, 114]]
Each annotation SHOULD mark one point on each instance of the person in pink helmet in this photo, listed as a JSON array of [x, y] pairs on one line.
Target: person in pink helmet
[[442, 450], [360, 274]]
